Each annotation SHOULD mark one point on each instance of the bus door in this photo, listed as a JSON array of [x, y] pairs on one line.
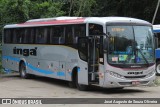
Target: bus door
[[89, 51]]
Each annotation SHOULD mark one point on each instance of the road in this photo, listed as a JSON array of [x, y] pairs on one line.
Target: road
[[12, 86]]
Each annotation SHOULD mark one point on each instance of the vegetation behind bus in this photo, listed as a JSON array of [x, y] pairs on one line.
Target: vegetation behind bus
[[16, 11]]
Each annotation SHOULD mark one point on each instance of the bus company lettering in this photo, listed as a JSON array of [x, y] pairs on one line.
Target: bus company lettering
[[25, 52]]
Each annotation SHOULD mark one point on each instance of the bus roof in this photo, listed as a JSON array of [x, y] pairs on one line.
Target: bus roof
[[156, 28], [75, 20]]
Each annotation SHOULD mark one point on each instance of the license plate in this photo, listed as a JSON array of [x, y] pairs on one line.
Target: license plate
[[135, 82]]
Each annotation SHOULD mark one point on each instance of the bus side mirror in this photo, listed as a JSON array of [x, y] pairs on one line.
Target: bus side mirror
[[100, 45], [105, 44]]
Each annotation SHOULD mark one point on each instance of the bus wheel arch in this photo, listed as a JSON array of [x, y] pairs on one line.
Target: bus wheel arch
[[74, 78], [72, 83], [22, 70]]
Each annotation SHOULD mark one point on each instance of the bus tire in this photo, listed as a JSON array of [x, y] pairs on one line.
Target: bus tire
[[80, 87], [158, 68], [22, 71]]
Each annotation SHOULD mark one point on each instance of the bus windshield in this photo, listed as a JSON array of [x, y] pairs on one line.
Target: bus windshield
[[130, 45]]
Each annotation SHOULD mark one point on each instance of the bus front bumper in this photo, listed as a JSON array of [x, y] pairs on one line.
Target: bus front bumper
[[111, 81]]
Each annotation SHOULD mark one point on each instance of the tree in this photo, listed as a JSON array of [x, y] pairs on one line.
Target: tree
[[80, 7], [143, 9], [45, 9], [16, 11]]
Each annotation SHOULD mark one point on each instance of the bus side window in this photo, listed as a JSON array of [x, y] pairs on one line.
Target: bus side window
[[15, 35], [95, 29], [69, 35], [62, 37], [32, 35], [8, 35], [54, 35], [51, 34], [29, 35], [21, 39], [48, 34], [40, 39], [57, 35], [26, 36], [79, 31]]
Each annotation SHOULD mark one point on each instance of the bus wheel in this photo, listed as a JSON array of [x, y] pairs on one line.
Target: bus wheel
[[22, 71], [80, 87], [158, 68]]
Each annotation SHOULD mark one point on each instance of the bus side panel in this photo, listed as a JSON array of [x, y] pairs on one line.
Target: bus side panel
[[71, 63], [41, 67], [50, 60], [101, 74], [83, 72], [9, 61], [69, 68]]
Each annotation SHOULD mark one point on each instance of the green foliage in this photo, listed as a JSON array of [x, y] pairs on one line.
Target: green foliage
[[80, 7], [16, 11], [45, 9], [143, 9], [83, 7]]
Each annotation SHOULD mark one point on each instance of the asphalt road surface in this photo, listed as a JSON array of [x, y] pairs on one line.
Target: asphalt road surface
[[12, 86]]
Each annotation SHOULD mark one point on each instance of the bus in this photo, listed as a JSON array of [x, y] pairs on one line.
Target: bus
[[156, 30], [109, 52]]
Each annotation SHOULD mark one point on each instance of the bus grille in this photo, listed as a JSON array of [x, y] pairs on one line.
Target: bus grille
[[132, 77], [130, 83]]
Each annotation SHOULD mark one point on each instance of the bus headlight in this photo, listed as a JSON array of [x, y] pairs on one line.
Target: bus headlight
[[115, 74], [150, 74]]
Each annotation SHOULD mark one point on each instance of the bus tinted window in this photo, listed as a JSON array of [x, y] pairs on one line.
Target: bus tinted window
[[15, 34], [57, 35], [41, 35], [47, 34], [18, 35], [21, 35], [8, 36], [95, 29], [79, 31], [69, 34], [29, 35], [26, 36], [62, 34]]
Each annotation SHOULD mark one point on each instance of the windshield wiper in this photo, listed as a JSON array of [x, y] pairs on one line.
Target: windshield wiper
[[144, 57]]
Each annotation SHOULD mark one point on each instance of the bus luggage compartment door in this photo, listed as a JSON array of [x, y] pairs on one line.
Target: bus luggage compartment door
[[62, 71]]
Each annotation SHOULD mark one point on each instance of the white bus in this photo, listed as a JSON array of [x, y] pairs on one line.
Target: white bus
[[111, 52], [156, 30]]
